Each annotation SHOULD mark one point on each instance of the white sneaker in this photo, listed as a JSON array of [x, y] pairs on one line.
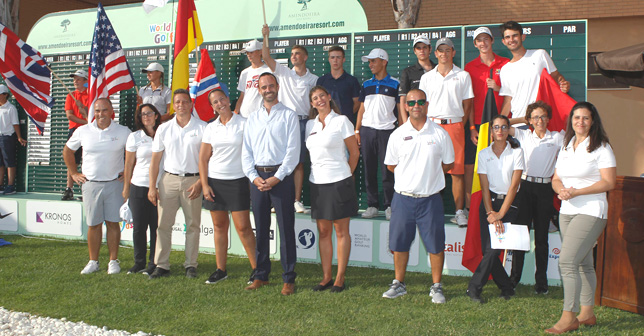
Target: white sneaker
[[114, 267], [371, 212], [91, 267], [299, 207], [395, 290], [388, 213], [461, 218], [436, 292]]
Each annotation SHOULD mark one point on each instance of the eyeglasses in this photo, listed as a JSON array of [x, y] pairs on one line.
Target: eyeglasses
[[502, 127], [147, 114], [542, 118], [412, 103]]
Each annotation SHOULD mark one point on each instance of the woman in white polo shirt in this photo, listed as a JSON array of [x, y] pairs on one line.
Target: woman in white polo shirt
[[584, 172], [329, 135], [138, 152], [155, 92], [225, 187], [499, 167]]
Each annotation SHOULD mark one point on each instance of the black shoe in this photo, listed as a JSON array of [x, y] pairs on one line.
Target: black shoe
[[159, 272], [252, 276], [150, 269], [68, 195], [136, 269], [475, 297], [337, 289], [326, 286], [216, 277], [507, 293], [191, 272], [541, 290]]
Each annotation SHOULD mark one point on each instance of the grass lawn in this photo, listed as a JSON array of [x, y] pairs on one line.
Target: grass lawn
[[42, 277]]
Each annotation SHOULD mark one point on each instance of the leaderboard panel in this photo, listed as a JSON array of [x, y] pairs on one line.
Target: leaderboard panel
[[565, 42]]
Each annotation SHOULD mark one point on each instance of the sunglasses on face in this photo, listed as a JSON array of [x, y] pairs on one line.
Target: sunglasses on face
[[412, 103]]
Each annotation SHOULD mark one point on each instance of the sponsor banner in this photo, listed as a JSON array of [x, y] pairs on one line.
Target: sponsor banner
[[9, 216], [361, 242], [306, 238], [60, 218], [454, 241], [554, 248], [272, 243], [386, 257]]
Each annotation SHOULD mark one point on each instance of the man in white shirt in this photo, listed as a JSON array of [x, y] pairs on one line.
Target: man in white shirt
[[9, 133], [179, 139], [520, 77], [419, 153], [269, 156], [103, 143], [249, 99], [450, 95], [294, 94]]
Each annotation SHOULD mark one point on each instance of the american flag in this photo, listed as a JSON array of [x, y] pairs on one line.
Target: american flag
[[109, 71], [26, 74]]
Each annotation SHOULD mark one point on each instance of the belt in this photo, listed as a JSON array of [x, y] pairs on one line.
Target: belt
[[497, 196], [267, 169], [413, 195], [446, 121], [183, 174], [536, 179], [103, 181], [302, 117]]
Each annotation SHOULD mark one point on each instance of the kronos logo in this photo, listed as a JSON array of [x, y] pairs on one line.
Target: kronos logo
[[57, 217]]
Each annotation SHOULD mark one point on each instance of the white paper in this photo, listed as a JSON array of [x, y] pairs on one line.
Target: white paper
[[150, 5], [515, 237]]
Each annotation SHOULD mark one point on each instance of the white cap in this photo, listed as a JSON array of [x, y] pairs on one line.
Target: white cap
[[421, 39], [251, 46], [79, 73], [481, 30], [376, 53], [153, 67], [3, 89]]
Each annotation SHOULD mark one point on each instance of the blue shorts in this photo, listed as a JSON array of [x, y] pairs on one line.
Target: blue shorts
[[303, 150], [8, 150], [427, 213]]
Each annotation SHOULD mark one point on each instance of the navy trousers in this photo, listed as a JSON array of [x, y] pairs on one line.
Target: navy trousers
[[374, 147], [281, 197]]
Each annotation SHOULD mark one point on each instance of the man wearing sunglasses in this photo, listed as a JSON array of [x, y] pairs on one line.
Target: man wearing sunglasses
[[449, 95], [418, 153]]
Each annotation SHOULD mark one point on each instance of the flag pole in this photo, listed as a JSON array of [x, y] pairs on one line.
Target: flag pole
[[264, 11], [61, 82]]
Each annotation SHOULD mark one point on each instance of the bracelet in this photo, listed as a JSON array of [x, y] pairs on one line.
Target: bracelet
[[472, 127], [489, 213], [357, 131]]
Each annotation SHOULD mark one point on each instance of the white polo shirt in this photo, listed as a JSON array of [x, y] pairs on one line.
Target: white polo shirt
[[180, 144], [226, 141], [418, 156], [580, 169], [540, 154], [141, 144], [160, 97], [8, 118], [499, 169], [248, 84], [520, 79], [445, 95], [294, 89], [103, 150], [329, 161]]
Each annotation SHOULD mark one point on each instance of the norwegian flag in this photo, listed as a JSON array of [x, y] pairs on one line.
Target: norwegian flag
[[27, 76], [109, 71], [205, 80]]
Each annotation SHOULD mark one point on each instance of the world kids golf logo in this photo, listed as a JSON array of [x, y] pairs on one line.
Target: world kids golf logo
[[59, 218], [162, 33], [306, 239]]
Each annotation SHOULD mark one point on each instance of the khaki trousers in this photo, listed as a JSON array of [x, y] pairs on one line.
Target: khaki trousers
[[172, 195]]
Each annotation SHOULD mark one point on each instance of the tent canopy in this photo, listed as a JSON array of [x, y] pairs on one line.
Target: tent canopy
[[625, 65]]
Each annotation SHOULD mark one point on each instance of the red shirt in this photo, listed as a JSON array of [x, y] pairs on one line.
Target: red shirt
[[479, 72], [70, 104]]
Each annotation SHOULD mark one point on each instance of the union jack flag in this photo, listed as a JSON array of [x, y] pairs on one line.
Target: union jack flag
[[109, 71], [26, 74], [205, 80]]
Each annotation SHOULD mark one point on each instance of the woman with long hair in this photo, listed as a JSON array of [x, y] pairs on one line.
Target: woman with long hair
[[329, 135], [499, 167], [225, 187], [138, 153], [585, 171]]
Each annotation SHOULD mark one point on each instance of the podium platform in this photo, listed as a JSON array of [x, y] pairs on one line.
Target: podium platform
[[41, 214]]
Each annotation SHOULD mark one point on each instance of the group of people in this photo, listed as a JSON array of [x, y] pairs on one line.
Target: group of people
[[252, 156]]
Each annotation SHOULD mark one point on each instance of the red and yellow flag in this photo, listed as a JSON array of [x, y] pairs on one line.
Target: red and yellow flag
[[187, 37]]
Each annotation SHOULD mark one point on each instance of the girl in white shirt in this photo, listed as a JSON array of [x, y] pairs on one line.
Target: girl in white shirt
[[333, 197], [499, 168], [138, 152], [585, 171]]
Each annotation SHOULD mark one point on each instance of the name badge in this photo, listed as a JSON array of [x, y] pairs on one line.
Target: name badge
[[313, 133], [409, 137]]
